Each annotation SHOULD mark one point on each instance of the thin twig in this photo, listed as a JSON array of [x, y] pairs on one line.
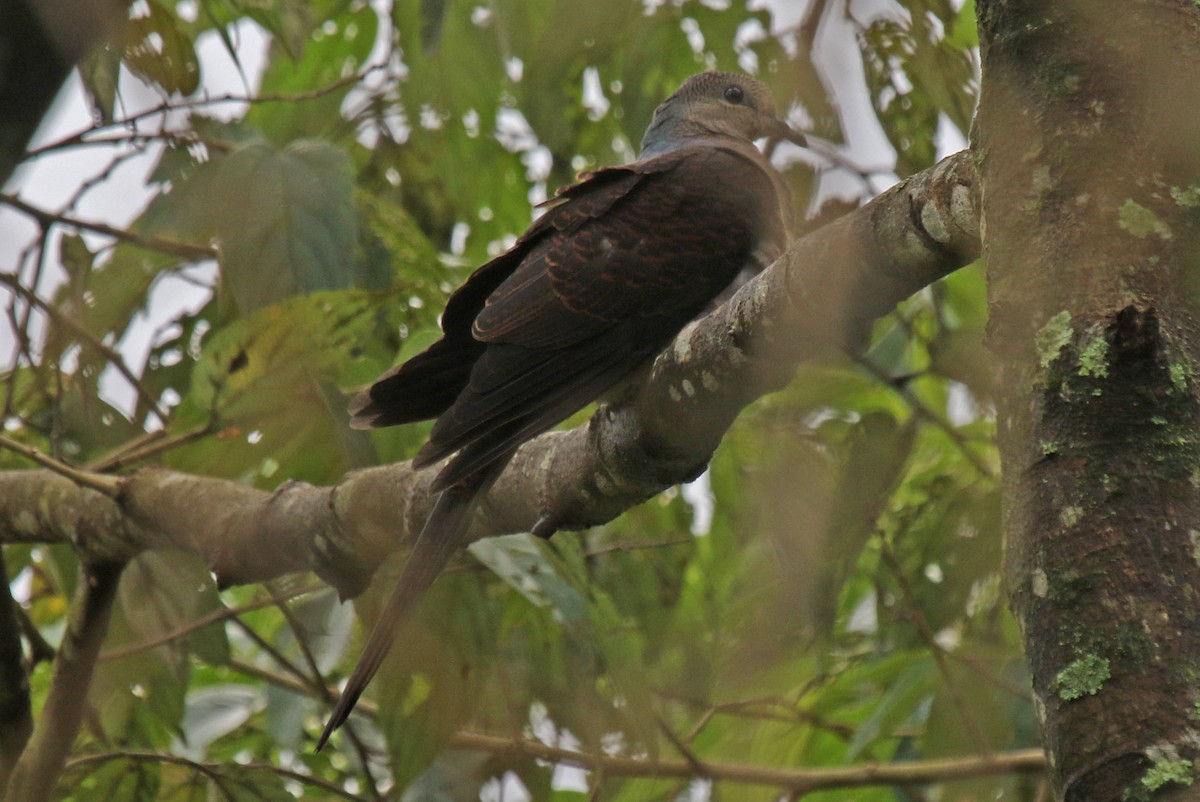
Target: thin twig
[[108, 485], [752, 709], [40, 650], [81, 137], [92, 341], [279, 657], [222, 614], [155, 443], [323, 689], [929, 416], [917, 772], [974, 731], [171, 247], [871, 774], [215, 770]]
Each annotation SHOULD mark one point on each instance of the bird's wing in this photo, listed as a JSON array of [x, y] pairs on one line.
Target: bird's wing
[[657, 250], [426, 385], [586, 307]]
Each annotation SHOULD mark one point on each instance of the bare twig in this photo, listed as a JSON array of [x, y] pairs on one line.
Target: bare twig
[[40, 650], [323, 690], [200, 623], [130, 121], [171, 247], [92, 341], [974, 731], [918, 772], [151, 445], [928, 415], [806, 780], [311, 684], [216, 771], [108, 485], [760, 709]]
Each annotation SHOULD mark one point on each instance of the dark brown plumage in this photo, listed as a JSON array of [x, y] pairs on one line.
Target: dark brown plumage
[[601, 283]]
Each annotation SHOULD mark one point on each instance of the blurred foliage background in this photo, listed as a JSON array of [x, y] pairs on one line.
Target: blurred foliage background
[[827, 595]]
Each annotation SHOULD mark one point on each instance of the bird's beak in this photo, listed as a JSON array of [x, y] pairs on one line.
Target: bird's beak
[[778, 129]]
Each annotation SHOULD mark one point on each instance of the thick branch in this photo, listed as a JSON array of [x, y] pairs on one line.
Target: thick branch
[[1090, 172], [821, 296]]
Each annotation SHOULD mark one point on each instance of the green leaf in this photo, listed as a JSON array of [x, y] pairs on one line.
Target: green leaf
[[455, 775], [286, 221], [314, 61], [272, 379], [437, 678], [964, 33], [100, 72], [161, 595], [285, 218], [521, 562], [160, 52], [898, 705], [556, 578], [76, 259], [215, 711]]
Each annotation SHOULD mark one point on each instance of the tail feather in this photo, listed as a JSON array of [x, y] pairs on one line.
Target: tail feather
[[439, 539], [422, 388]]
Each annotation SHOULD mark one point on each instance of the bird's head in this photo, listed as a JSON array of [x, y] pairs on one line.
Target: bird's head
[[720, 104]]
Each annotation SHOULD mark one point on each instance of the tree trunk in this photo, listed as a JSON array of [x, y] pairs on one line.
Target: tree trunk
[[1088, 151]]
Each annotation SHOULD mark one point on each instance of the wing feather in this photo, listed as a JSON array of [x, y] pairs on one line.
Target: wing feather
[[427, 385], [662, 249]]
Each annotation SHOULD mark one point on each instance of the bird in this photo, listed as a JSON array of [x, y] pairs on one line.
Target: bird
[[597, 286]]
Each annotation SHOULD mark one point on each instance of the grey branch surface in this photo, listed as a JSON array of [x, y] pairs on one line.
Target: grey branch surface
[[820, 297]]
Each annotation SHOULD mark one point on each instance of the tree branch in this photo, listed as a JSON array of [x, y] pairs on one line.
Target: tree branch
[[108, 485], [821, 296], [42, 762], [171, 247], [217, 771], [915, 772], [802, 780]]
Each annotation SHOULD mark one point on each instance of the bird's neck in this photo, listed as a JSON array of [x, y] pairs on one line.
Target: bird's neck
[[669, 133]]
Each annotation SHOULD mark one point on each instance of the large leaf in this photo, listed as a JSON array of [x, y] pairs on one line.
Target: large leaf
[[284, 218], [313, 61], [286, 222], [160, 51], [272, 379]]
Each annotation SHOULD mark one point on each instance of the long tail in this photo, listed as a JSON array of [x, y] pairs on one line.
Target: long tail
[[439, 539]]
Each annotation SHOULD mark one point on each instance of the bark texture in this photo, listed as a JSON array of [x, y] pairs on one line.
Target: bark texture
[[1089, 164]]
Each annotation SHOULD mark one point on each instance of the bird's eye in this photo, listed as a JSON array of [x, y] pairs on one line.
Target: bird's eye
[[735, 94]]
